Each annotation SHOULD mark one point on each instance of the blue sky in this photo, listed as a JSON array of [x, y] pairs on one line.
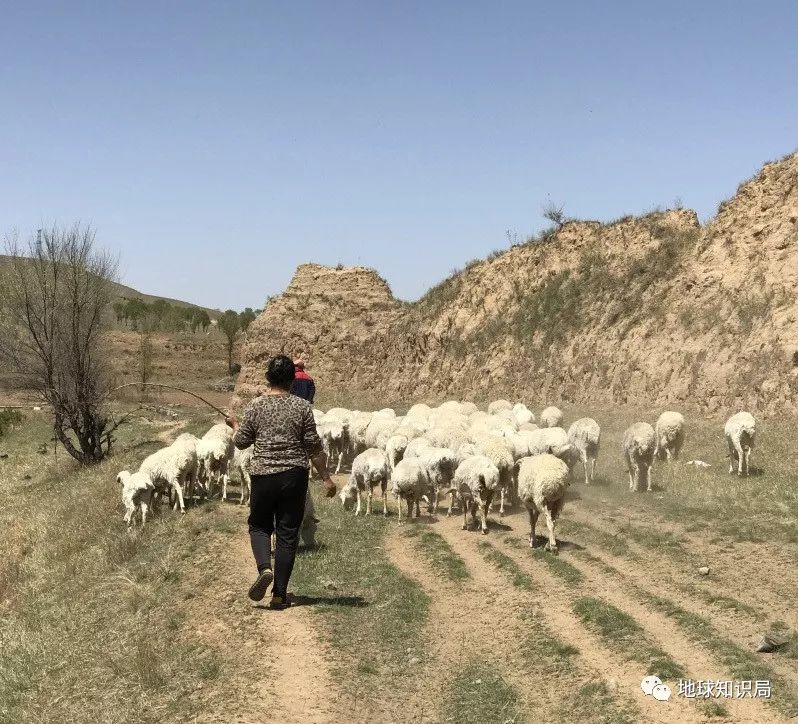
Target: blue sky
[[215, 146]]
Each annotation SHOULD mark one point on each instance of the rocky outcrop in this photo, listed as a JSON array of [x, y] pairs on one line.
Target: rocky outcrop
[[654, 309]]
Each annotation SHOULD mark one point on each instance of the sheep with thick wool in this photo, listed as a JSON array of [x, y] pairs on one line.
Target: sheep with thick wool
[[499, 451], [395, 448], [523, 414], [551, 417], [639, 444], [137, 492], [334, 440], [172, 468], [369, 468], [669, 432], [440, 464], [585, 436], [475, 481], [497, 405], [542, 482], [215, 453], [739, 431], [552, 440], [410, 482]]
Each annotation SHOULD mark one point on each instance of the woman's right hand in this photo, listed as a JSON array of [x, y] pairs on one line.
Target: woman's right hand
[[329, 487]]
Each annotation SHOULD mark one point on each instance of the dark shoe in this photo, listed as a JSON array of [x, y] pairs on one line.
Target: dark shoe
[[258, 589], [279, 603]]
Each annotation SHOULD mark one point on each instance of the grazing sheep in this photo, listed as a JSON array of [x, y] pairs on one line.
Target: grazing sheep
[[499, 452], [333, 438], [215, 453], [368, 469], [542, 482], [189, 440], [740, 430], [551, 417], [639, 443], [585, 436], [172, 467], [553, 440], [395, 448], [497, 405], [476, 480], [137, 491], [410, 482], [240, 463], [670, 435], [440, 464]]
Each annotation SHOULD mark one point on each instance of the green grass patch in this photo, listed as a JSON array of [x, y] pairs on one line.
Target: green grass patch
[[505, 563], [615, 544], [721, 601], [622, 633], [440, 554], [477, 694], [565, 571], [368, 611], [741, 663]]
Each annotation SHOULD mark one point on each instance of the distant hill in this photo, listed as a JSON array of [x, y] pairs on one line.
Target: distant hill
[[121, 291]]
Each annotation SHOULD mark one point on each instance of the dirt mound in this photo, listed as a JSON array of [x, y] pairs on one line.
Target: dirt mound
[[653, 308]]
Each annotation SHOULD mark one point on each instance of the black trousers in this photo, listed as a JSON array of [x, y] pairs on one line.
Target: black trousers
[[277, 504]]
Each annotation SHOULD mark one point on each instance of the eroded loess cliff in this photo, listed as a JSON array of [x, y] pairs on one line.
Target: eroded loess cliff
[[655, 309]]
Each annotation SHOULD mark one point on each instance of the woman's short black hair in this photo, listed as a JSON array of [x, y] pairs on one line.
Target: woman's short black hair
[[281, 371]]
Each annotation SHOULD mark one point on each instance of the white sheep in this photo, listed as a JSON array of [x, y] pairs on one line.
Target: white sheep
[[137, 491], [379, 429], [585, 436], [528, 426], [552, 440], [358, 424], [440, 464], [499, 451], [497, 405], [240, 463], [542, 482], [333, 438], [551, 417], [739, 431], [523, 414], [468, 408], [639, 443], [395, 448], [215, 453], [669, 432], [409, 481], [416, 447], [172, 467], [369, 468], [476, 480]]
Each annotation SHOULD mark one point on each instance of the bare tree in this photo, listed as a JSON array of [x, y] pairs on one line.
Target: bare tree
[[555, 214], [53, 314]]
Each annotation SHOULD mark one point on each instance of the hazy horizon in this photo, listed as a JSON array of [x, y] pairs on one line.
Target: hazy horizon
[[215, 148]]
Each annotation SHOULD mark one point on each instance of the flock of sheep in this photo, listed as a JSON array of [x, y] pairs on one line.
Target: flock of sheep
[[456, 450], [474, 456]]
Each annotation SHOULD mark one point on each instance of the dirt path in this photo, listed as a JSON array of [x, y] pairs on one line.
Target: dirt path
[[282, 673]]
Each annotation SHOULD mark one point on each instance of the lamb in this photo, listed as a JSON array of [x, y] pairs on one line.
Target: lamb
[[395, 449], [368, 469], [240, 463], [585, 436], [333, 438], [542, 482], [440, 464], [551, 417], [475, 481], [497, 405], [410, 481], [215, 452], [740, 430], [137, 491], [174, 467], [670, 435], [496, 449], [639, 443]]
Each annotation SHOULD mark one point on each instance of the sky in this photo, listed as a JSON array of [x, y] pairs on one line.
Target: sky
[[214, 146]]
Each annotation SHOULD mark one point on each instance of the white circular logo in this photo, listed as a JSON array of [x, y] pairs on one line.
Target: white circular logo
[[648, 684]]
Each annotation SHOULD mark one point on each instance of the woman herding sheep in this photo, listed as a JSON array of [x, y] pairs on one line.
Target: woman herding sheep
[[282, 429]]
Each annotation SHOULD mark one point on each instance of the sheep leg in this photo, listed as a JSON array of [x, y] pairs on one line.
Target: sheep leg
[[418, 508], [410, 507], [384, 486], [483, 516], [464, 506], [179, 492], [552, 544], [369, 496], [246, 487], [224, 487], [451, 503], [648, 478], [585, 463], [739, 453], [144, 508], [592, 469], [746, 453], [340, 458], [129, 516], [399, 508], [501, 501], [357, 495], [533, 523]]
